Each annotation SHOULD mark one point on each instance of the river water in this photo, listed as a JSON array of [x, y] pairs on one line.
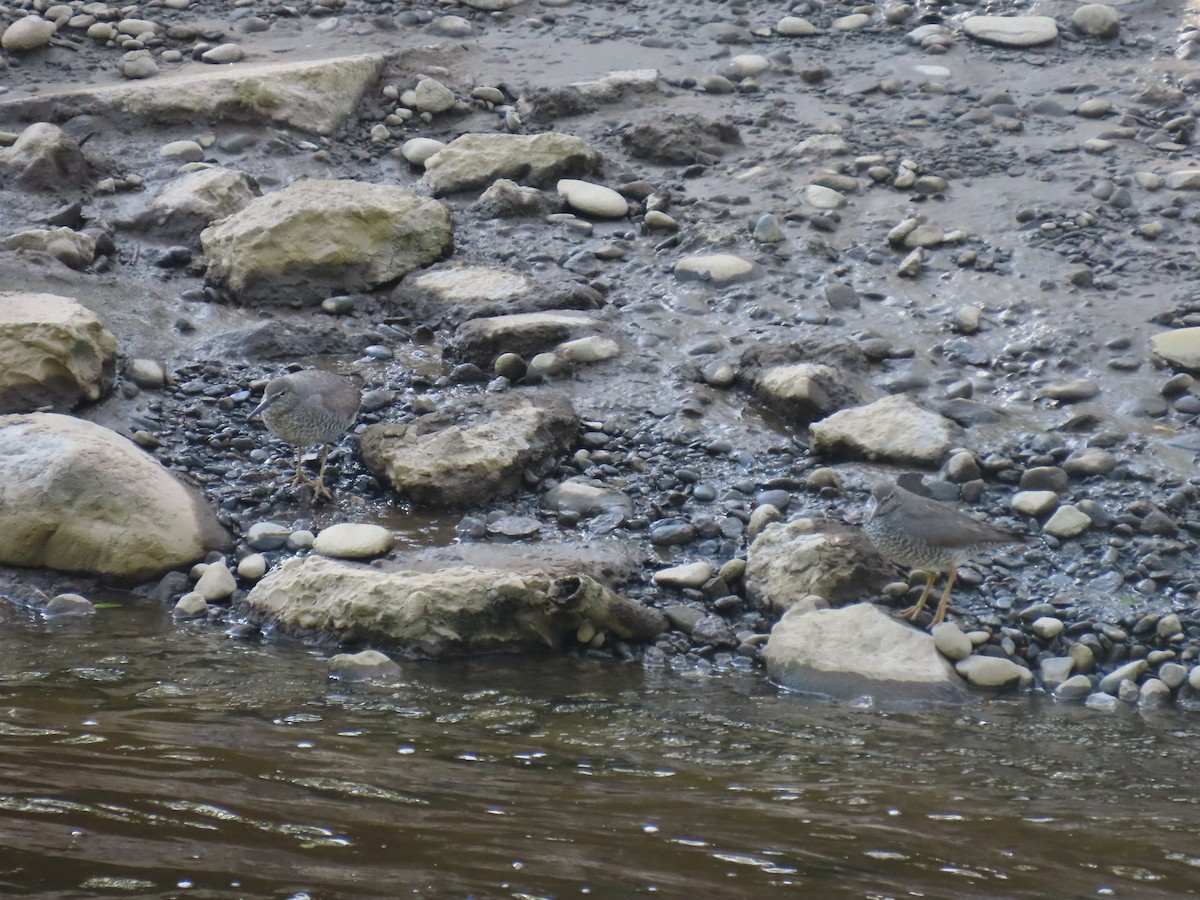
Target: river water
[[143, 759]]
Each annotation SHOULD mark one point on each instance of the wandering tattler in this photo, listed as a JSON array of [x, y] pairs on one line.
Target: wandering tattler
[[309, 408], [921, 533]]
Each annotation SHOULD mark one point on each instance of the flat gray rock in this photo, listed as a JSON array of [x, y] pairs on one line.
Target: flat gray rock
[[1180, 347], [894, 429], [1011, 31]]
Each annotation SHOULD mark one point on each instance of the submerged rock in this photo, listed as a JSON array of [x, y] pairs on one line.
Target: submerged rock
[[366, 665], [717, 268], [68, 605], [1180, 347]]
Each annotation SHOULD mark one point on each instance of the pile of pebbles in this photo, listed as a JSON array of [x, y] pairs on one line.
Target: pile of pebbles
[[699, 498]]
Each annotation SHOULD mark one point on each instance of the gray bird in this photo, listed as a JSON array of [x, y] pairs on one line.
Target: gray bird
[[920, 533], [309, 408]]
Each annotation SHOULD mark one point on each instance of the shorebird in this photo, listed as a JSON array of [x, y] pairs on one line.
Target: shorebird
[[309, 408], [920, 533]]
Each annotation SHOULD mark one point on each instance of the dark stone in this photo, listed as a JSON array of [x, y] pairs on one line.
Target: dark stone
[[1044, 478], [841, 296], [545, 105], [672, 532], [680, 139], [425, 305], [285, 340]]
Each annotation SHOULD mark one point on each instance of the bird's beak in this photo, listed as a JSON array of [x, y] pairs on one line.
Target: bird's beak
[[266, 401]]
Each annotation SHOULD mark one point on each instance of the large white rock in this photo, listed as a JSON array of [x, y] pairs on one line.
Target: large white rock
[[471, 284], [1011, 31], [53, 352], [460, 609], [821, 146], [476, 160], [27, 33], [894, 429], [310, 95], [591, 349], [859, 650], [315, 238], [454, 292], [80, 498]]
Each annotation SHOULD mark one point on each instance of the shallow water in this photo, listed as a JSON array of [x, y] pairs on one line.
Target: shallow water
[[139, 759]]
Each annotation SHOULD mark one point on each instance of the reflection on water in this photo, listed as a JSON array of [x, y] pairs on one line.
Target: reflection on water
[[142, 760]]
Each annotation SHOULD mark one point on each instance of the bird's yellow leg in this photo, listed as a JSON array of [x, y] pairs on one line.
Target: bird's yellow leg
[[915, 610], [319, 489], [300, 479], [945, 601]]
